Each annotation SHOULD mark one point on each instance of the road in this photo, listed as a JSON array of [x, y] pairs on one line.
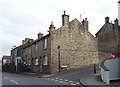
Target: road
[[72, 77], [18, 79], [65, 78]]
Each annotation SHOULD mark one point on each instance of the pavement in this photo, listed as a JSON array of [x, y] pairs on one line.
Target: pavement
[[95, 79]]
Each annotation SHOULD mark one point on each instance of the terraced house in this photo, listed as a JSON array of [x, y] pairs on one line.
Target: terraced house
[[68, 47], [109, 38]]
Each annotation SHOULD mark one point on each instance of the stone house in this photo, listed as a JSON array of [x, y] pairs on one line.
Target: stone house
[[18, 51], [37, 54], [108, 38], [68, 47], [73, 44]]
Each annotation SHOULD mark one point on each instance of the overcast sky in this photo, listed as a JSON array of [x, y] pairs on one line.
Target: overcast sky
[[26, 18]]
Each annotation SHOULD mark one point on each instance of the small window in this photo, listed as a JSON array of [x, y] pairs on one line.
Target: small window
[[36, 61], [45, 43], [45, 60]]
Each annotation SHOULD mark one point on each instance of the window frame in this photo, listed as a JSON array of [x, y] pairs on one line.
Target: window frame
[[36, 61], [45, 61], [45, 43]]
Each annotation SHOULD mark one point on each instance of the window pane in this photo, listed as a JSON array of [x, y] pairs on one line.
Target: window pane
[[45, 43], [45, 62], [36, 61]]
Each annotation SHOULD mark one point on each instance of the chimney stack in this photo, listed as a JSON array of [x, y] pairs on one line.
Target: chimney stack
[[40, 35], [51, 28], [23, 42], [65, 19], [85, 24], [116, 21], [107, 20]]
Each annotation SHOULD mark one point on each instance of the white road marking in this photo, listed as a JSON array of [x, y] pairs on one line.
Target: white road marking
[[5, 77], [60, 79], [52, 79], [73, 84], [14, 81], [70, 81], [65, 80], [77, 83], [56, 80]]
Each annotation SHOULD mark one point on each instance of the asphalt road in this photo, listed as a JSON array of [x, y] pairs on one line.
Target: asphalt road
[[65, 78], [72, 77], [18, 79]]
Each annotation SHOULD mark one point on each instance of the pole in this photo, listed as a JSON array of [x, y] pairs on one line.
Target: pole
[[59, 57], [94, 69]]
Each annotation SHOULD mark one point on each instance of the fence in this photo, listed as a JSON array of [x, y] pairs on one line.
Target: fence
[[10, 67]]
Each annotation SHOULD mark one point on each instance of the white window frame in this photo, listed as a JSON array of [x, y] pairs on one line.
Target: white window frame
[[45, 60], [45, 43], [36, 62]]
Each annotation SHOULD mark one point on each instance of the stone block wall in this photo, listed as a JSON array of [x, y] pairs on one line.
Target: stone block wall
[[108, 39], [78, 47]]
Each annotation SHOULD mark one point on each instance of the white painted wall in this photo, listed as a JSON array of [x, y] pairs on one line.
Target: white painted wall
[[113, 72], [113, 66]]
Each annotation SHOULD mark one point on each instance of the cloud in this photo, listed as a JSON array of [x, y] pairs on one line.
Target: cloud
[[26, 18]]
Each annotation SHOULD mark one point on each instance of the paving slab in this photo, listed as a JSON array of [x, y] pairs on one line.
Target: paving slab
[[95, 79]]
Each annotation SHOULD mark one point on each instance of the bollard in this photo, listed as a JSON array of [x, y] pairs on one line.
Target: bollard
[[94, 69]]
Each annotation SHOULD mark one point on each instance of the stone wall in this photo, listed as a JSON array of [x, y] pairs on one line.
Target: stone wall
[[71, 45], [78, 47], [108, 39]]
